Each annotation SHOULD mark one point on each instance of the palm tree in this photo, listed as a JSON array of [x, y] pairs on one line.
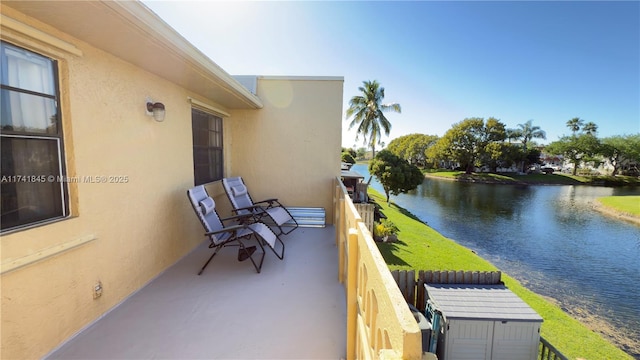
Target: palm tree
[[526, 132], [368, 113], [590, 128], [575, 124], [529, 132], [513, 134]]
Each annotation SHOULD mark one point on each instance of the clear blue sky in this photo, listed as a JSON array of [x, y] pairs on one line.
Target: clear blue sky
[[443, 61]]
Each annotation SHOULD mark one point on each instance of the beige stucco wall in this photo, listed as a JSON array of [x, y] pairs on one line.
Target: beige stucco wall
[[137, 228], [290, 149], [131, 231]]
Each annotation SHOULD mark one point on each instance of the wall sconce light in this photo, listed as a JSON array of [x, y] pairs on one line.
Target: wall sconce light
[[155, 109]]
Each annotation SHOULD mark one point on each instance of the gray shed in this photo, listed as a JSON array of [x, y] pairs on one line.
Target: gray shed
[[483, 322]]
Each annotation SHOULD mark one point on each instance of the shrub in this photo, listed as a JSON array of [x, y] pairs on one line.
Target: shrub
[[348, 158], [385, 230]]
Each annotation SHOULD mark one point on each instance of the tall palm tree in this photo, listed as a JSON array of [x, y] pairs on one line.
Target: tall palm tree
[[575, 124], [513, 134], [368, 113], [529, 132], [590, 128]]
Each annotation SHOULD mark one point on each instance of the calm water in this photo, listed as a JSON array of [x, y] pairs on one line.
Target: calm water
[[547, 237]]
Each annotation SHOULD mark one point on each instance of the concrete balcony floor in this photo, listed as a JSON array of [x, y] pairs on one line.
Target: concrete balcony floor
[[293, 309]]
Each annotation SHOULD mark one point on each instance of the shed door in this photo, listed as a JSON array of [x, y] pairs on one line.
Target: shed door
[[514, 340], [469, 340]]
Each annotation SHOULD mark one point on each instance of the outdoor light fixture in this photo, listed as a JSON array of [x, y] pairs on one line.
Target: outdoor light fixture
[[155, 109]]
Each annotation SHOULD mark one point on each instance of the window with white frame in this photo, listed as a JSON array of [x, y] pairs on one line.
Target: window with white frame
[[31, 140], [208, 162]]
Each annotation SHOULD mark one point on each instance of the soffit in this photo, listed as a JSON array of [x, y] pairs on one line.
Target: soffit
[[131, 31]]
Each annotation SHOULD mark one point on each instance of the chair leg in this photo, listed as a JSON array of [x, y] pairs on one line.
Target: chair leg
[[258, 266], [210, 258], [282, 232], [281, 255]]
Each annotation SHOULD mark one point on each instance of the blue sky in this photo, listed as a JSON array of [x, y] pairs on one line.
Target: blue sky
[[443, 61]]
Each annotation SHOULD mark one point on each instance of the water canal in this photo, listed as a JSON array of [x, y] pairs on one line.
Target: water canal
[[547, 237]]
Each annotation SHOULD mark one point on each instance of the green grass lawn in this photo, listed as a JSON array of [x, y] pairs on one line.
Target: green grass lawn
[[555, 178], [420, 247], [625, 204]]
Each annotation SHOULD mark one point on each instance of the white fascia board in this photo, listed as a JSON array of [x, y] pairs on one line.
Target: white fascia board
[[301, 78], [151, 23]]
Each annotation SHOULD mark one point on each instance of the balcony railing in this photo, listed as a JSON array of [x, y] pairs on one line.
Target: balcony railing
[[379, 322], [546, 351]]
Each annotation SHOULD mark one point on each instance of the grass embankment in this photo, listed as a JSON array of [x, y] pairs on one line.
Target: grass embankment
[[551, 179], [625, 204], [623, 207], [420, 247]]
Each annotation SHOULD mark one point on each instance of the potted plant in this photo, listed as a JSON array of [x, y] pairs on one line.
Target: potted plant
[[385, 231]]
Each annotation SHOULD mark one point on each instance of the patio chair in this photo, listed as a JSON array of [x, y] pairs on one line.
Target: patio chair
[[242, 228], [269, 209]]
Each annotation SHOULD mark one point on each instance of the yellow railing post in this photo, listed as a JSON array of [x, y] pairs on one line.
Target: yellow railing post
[[352, 301], [341, 243], [337, 211]]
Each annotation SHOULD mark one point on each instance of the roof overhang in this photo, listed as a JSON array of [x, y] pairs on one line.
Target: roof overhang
[[134, 33]]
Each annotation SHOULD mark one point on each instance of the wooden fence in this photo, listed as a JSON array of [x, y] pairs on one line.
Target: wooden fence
[[413, 289], [366, 212]]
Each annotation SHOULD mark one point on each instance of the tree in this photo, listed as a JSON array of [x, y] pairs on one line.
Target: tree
[[528, 132], [513, 134], [351, 151], [346, 157], [576, 149], [466, 142], [368, 113], [620, 150], [575, 124], [394, 173], [412, 147], [590, 128]]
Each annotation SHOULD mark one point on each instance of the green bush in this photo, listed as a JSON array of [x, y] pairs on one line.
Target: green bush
[[348, 158], [384, 228]]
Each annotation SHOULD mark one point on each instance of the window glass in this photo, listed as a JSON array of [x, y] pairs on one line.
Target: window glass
[[28, 71], [30, 188], [32, 165], [27, 113], [208, 163]]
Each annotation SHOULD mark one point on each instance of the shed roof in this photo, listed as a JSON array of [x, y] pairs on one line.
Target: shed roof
[[480, 302], [348, 174]]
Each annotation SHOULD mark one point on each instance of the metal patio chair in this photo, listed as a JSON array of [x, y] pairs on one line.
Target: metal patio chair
[[241, 228], [271, 210]]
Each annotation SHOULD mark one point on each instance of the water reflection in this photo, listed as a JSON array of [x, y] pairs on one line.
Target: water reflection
[[547, 237]]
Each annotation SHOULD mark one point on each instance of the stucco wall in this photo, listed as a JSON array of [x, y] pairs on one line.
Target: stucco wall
[[137, 228], [131, 231], [290, 149]]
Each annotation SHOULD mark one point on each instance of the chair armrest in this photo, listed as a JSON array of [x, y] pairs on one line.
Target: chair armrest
[[232, 228], [250, 208], [238, 216], [269, 201]]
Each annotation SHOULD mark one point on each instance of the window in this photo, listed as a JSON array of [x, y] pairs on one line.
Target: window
[[32, 166], [208, 164]]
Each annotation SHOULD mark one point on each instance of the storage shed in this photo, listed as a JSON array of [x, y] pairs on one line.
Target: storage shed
[[482, 322]]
